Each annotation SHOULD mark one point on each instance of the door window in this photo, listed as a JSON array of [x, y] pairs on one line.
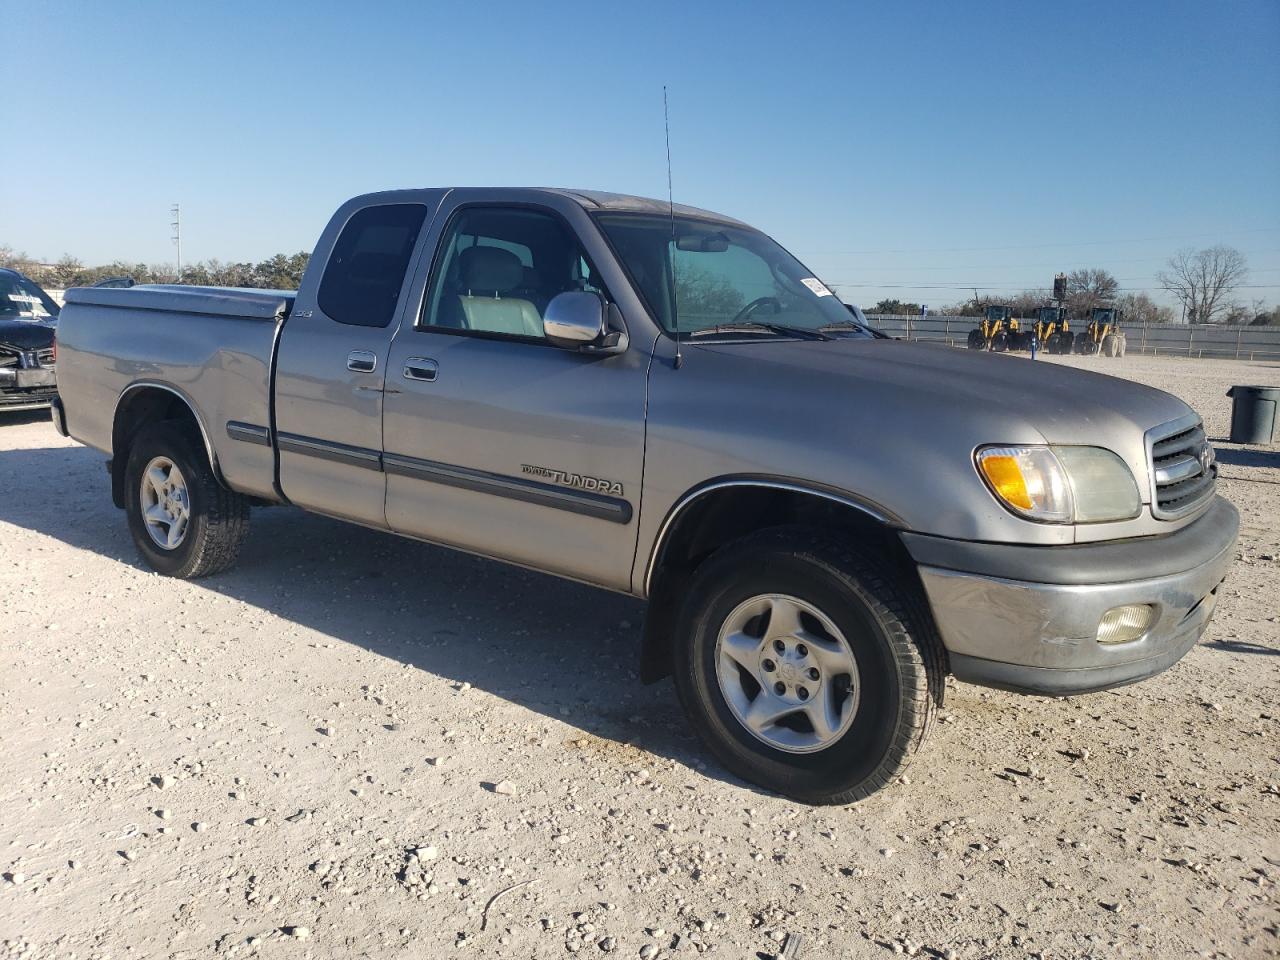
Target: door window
[[499, 269], [362, 280]]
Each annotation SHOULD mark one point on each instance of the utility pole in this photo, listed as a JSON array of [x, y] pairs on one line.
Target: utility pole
[[177, 235]]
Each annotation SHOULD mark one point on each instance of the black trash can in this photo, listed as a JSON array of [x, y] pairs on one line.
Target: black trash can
[[1253, 413]]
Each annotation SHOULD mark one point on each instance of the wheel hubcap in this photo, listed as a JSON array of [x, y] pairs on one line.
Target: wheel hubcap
[[787, 673], [166, 504]]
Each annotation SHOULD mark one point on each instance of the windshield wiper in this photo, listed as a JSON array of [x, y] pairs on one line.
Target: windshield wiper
[[854, 325], [754, 326]]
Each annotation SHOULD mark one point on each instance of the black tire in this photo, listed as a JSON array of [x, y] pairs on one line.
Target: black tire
[[1000, 342], [1053, 344], [219, 518], [899, 657], [975, 340]]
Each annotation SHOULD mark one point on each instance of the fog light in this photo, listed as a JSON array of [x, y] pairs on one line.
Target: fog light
[[1122, 624]]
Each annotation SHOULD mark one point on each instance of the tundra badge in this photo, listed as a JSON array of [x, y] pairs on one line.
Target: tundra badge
[[581, 481]]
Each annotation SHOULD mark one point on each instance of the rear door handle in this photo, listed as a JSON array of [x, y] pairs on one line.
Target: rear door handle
[[420, 368], [362, 361]]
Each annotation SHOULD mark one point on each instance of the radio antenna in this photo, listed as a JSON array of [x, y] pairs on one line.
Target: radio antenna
[[671, 214]]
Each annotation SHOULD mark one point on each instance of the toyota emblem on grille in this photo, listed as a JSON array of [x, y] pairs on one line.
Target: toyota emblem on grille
[[1206, 458]]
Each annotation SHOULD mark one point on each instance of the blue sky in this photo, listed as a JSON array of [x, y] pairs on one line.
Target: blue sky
[[900, 149]]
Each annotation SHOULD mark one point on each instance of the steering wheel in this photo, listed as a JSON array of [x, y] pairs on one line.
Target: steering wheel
[[755, 305]]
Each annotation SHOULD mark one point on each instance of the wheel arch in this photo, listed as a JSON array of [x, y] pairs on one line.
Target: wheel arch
[[719, 511], [146, 402]]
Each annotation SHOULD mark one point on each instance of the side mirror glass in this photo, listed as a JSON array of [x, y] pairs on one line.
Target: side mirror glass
[[574, 319]]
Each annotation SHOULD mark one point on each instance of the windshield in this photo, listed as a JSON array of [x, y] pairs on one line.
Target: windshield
[[20, 299], [723, 276]]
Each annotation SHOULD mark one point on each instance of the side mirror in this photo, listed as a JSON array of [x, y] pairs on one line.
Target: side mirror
[[582, 321], [574, 318]]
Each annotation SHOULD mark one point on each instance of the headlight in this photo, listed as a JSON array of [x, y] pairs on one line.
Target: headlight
[[1102, 486], [1060, 484], [1029, 481]]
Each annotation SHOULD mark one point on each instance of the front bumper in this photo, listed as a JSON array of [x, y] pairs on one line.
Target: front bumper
[[1037, 633], [27, 388]]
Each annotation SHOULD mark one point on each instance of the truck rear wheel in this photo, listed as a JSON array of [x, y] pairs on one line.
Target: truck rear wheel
[[975, 340], [804, 667], [184, 523]]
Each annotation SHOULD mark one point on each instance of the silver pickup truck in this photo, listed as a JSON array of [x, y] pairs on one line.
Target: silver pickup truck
[[662, 401]]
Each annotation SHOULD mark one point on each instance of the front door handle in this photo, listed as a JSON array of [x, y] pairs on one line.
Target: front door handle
[[362, 361], [420, 368]]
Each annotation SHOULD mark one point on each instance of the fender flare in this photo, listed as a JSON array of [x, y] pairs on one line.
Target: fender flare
[[867, 507], [117, 464]]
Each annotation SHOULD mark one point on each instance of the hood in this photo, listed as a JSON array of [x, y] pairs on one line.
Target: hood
[[991, 398], [27, 334]]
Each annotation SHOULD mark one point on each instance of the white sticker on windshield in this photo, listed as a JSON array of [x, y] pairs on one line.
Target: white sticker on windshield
[[816, 285]]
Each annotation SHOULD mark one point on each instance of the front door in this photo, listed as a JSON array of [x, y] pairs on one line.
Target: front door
[[496, 441]]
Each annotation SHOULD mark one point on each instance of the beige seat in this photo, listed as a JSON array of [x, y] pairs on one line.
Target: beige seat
[[486, 275]]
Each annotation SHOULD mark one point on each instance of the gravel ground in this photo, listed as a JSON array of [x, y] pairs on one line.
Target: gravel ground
[[359, 746]]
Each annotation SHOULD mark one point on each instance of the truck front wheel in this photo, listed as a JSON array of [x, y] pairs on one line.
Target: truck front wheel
[[801, 665], [184, 523]]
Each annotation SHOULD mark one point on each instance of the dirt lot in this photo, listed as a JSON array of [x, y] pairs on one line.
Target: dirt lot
[[297, 759]]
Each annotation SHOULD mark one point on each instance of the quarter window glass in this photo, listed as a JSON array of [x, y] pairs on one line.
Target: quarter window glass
[[362, 280], [500, 268]]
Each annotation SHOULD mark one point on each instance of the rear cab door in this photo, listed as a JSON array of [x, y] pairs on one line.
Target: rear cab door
[[496, 441], [331, 361]]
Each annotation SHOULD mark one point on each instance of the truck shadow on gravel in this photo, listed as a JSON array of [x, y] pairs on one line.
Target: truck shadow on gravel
[[19, 417], [562, 649], [1243, 646], [1237, 457]]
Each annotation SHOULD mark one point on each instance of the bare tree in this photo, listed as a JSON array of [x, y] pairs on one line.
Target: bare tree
[[65, 272], [1026, 303], [1088, 288], [1140, 308], [1204, 280]]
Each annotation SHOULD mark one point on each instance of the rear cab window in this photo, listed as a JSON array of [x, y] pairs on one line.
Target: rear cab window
[[366, 270]]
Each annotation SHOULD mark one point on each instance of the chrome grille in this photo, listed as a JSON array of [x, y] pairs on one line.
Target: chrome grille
[[46, 356], [1184, 471]]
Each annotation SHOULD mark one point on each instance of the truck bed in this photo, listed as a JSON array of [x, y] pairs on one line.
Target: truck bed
[[212, 346], [244, 304]]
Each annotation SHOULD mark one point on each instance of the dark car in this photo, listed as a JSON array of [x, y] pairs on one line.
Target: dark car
[[28, 319]]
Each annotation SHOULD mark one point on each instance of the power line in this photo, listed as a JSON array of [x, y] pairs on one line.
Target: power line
[[1053, 266], [1047, 246], [1005, 286]]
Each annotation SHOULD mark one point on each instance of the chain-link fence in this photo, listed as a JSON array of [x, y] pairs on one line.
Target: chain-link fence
[[1159, 339]]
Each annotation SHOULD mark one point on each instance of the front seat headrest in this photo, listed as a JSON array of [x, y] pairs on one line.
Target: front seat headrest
[[489, 270]]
